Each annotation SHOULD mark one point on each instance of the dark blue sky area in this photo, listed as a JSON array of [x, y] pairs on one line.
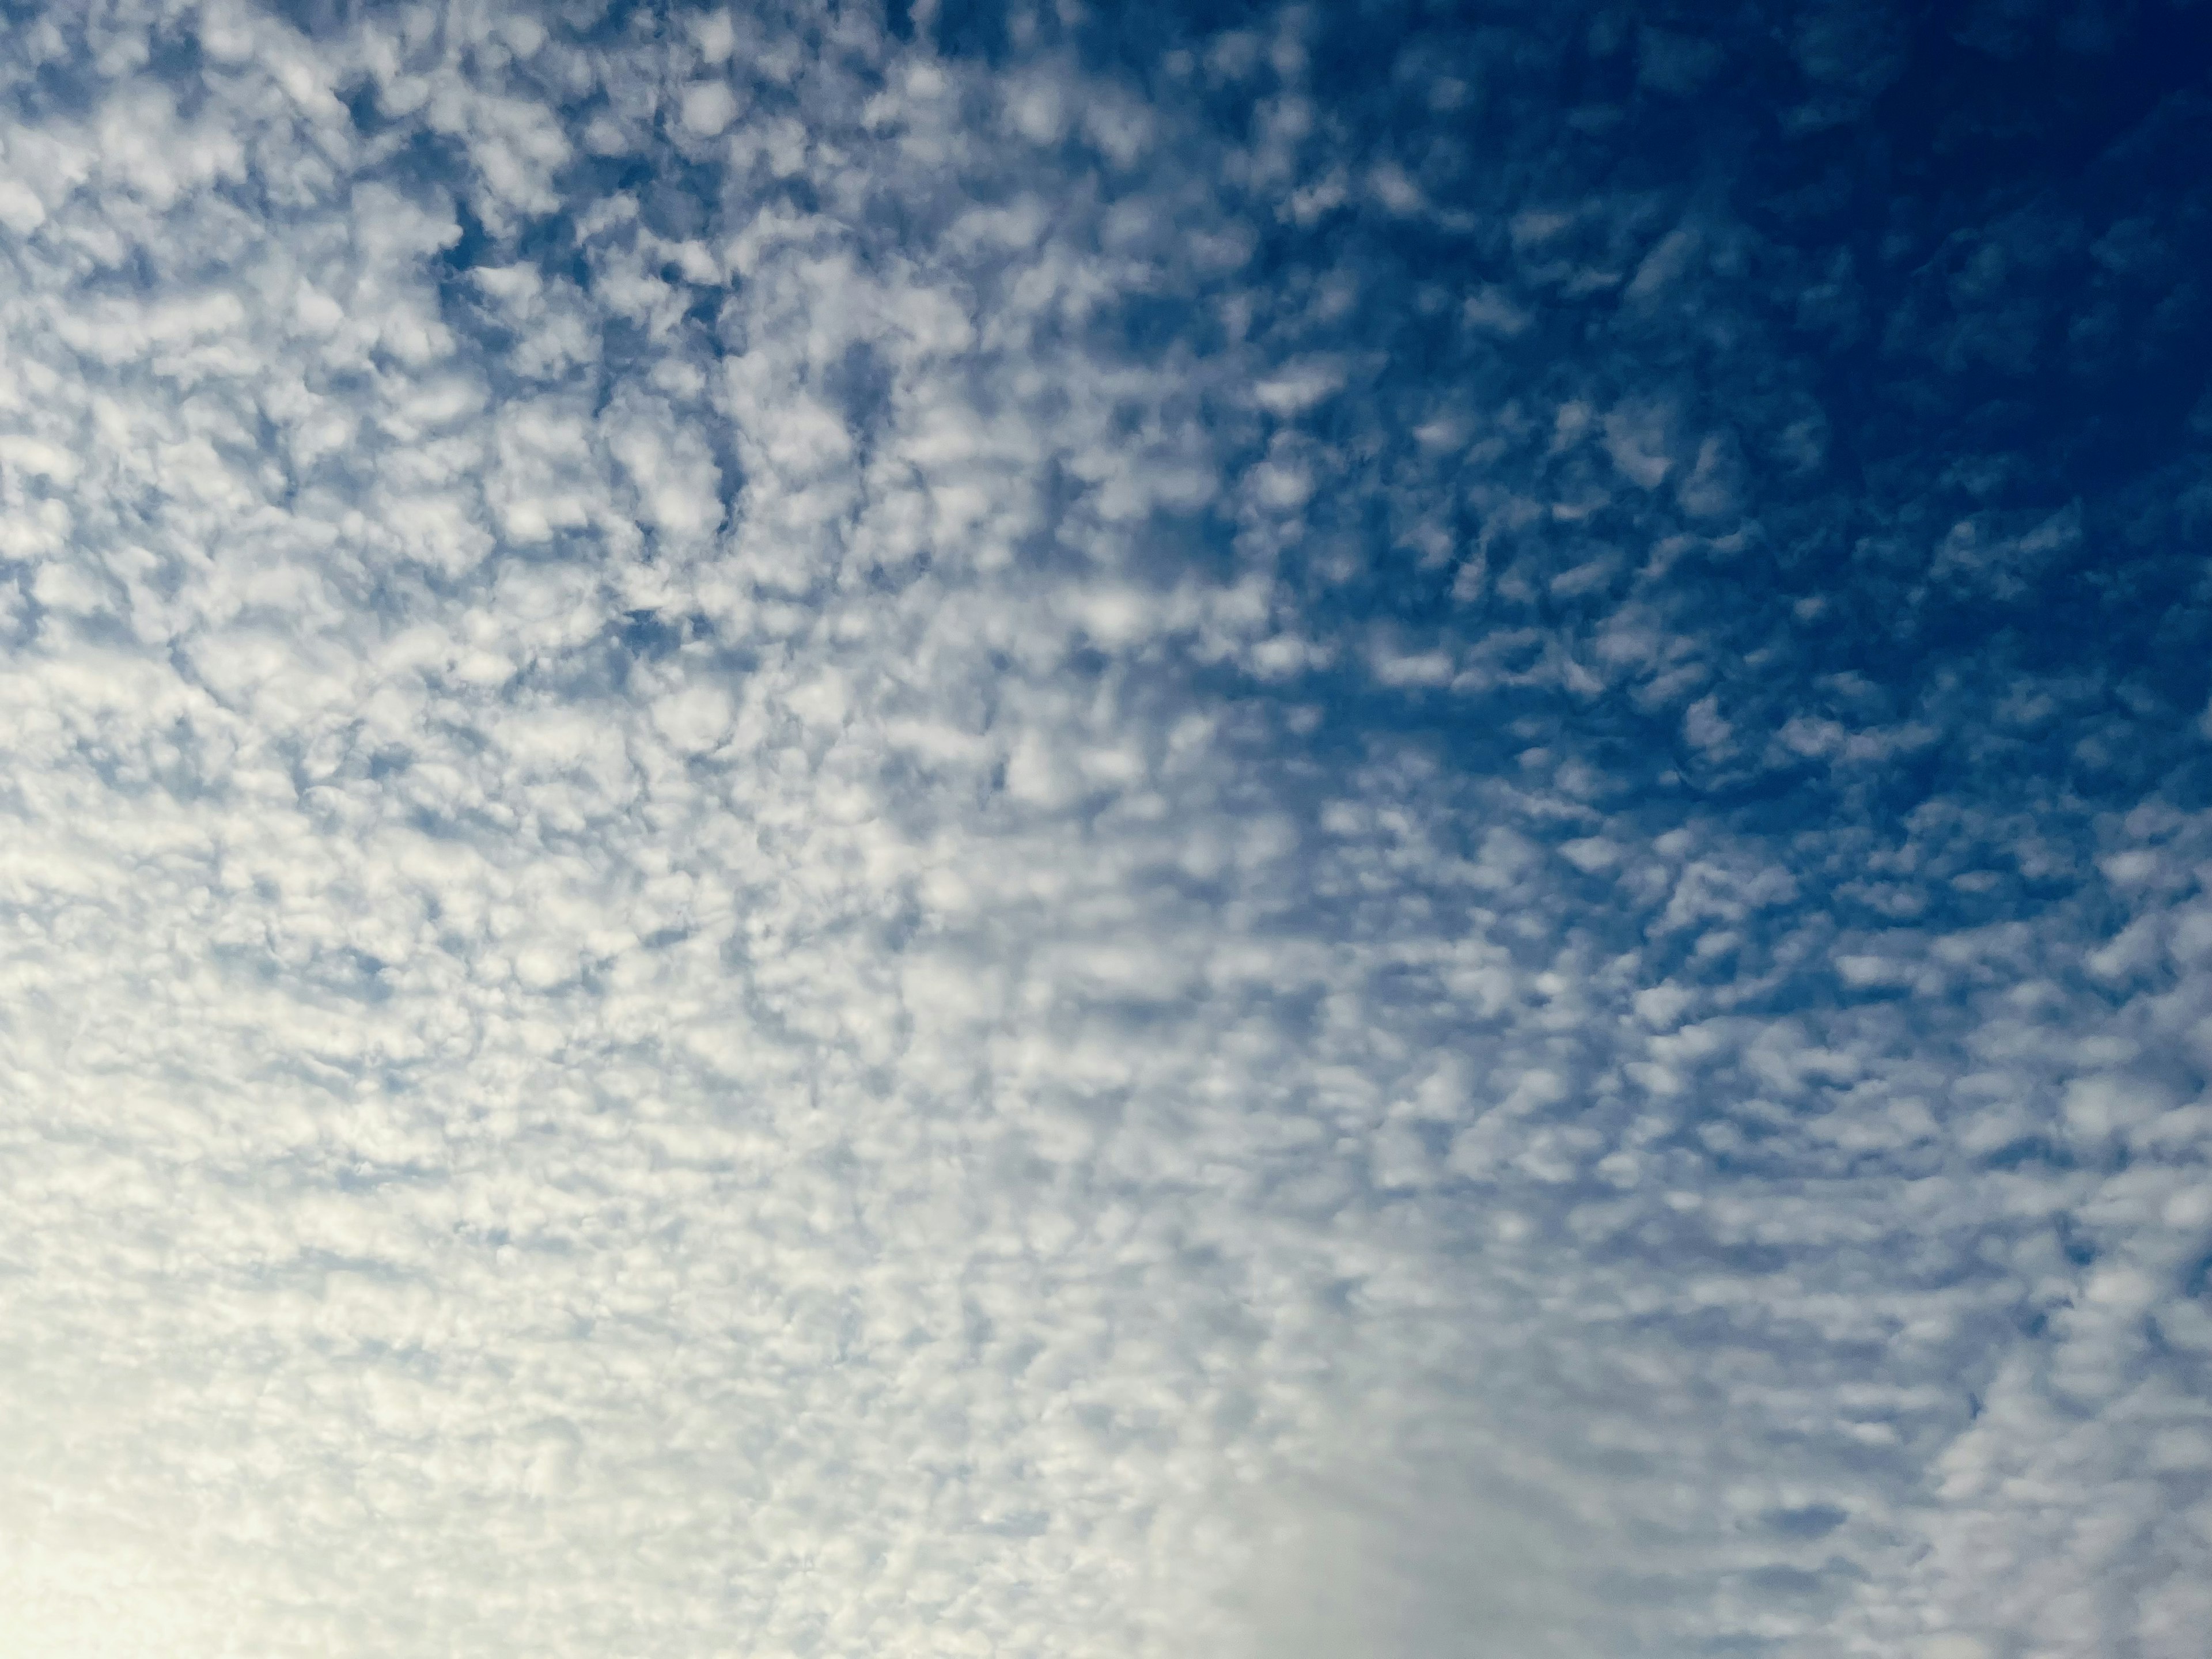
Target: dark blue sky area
[[1959, 250]]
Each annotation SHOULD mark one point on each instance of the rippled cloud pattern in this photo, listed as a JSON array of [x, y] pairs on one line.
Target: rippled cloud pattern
[[1211, 831]]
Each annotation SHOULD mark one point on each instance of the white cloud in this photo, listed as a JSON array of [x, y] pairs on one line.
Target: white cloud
[[708, 107], [702, 944]]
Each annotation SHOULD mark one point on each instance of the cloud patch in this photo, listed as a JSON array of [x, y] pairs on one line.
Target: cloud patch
[[929, 831]]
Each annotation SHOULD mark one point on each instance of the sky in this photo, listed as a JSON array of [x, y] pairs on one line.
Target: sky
[[1063, 832]]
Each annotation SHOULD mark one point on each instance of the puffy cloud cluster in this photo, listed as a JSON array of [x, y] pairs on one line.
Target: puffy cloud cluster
[[989, 830]]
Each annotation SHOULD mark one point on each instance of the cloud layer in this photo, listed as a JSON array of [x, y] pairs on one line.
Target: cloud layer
[[957, 831]]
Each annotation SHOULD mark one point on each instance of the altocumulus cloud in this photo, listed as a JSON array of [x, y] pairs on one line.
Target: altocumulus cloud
[[1356, 832]]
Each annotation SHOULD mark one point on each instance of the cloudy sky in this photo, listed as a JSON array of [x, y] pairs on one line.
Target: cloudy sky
[[1059, 832]]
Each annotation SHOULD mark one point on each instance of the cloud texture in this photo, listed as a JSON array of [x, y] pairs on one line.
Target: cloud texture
[[971, 831]]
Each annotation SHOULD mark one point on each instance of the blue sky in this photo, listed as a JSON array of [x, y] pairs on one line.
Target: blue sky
[[1330, 832]]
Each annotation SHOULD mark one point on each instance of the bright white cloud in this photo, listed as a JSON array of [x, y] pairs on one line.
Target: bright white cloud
[[698, 957]]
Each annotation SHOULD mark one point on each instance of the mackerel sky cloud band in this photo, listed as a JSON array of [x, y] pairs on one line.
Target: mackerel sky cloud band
[[1338, 832]]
